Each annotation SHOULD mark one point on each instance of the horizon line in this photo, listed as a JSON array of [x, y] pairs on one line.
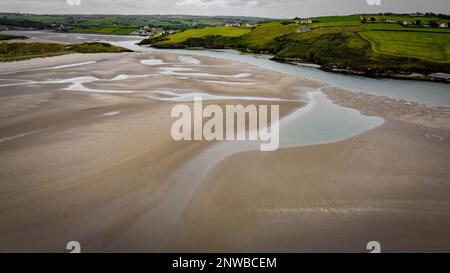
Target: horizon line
[[217, 15]]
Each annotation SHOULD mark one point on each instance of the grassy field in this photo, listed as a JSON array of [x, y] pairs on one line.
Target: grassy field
[[21, 51], [266, 33], [428, 46], [333, 21], [106, 30], [181, 37]]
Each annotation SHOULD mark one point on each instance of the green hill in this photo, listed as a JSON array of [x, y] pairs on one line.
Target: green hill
[[116, 24], [22, 51], [363, 44], [4, 37]]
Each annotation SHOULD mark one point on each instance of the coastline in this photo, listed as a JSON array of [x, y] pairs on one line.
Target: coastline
[[104, 171], [434, 77], [376, 73]]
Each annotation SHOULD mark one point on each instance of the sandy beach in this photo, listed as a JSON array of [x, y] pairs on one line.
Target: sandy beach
[[86, 154], [82, 164], [389, 184]]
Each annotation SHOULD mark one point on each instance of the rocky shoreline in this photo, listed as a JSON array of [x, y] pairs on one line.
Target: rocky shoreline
[[372, 73]]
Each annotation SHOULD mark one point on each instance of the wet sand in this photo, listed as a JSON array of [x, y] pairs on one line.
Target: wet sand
[[85, 166], [86, 155], [390, 184], [67, 38]]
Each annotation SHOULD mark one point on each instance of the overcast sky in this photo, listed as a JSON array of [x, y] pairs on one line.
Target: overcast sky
[[264, 8]]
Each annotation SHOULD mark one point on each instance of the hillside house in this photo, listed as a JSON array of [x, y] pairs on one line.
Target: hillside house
[[232, 24], [304, 22], [444, 25]]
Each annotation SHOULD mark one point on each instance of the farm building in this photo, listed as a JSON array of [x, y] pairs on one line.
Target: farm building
[[232, 24], [304, 22]]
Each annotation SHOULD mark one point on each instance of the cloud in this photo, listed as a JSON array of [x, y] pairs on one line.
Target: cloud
[[266, 8], [217, 3]]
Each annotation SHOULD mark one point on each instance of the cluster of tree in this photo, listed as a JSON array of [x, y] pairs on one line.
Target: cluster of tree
[[23, 23], [439, 15], [426, 14], [433, 24]]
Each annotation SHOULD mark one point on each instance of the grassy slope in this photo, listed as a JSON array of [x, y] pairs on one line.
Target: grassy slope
[[22, 51], [4, 37], [261, 39], [266, 33], [342, 42], [181, 37], [105, 30], [344, 47]]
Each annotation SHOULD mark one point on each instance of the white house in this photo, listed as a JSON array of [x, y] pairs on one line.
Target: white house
[[444, 25], [304, 22], [232, 24]]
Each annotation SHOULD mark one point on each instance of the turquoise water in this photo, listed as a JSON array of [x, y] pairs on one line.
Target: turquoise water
[[322, 121]]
